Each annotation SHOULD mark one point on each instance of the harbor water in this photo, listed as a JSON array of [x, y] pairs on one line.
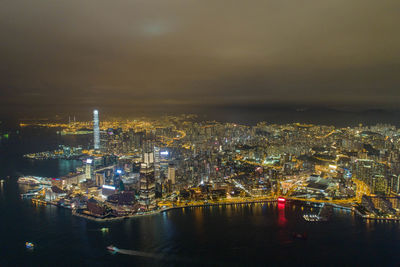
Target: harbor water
[[239, 235]]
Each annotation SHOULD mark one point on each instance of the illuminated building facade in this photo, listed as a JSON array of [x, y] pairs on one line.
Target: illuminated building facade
[[171, 173], [157, 171], [96, 129], [89, 169], [147, 181], [374, 174], [157, 164], [100, 179]]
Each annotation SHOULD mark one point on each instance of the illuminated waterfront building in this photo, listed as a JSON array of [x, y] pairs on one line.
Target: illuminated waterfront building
[[147, 181], [89, 169], [395, 183], [96, 129]]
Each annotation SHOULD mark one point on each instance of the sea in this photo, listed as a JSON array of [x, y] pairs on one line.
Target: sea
[[238, 235]]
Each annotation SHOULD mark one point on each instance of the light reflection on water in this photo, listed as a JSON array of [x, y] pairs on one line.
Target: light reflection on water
[[235, 234]]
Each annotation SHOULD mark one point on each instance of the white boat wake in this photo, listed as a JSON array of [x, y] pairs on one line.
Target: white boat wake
[[141, 254], [157, 256]]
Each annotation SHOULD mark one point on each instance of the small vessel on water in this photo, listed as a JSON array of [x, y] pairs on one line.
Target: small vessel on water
[[324, 214], [29, 180], [29, 245], [314, 218], [112, 248]]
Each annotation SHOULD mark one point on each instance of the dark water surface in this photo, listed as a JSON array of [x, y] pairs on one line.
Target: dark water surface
[[243, 235]]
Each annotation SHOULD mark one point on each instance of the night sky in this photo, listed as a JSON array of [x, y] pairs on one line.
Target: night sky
[[166, 55]]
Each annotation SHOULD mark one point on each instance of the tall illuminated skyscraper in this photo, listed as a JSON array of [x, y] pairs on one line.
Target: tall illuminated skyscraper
[[96, 129], [147, 181], [89, 169], [157, 164], [157, 172]]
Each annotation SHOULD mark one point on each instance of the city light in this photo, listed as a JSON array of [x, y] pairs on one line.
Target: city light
[[249, 133], [234, 173], [109, 187]]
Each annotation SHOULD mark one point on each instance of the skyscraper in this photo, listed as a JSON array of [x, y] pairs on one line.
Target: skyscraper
[[89, 169], [157, 164], [147, 180], [96, 129], [99, 179], [171, 173], [157, 172]]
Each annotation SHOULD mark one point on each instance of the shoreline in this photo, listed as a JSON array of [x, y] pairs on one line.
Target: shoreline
[[88, 217], [155, 212], [159, 211], [194, 206]]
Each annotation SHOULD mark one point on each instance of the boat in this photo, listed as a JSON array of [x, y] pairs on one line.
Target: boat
[[324, 215], [29, 245], [29, 180], [314, 218], [112, 248]]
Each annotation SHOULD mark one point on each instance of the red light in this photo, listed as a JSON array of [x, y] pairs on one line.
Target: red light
[[281, 200]]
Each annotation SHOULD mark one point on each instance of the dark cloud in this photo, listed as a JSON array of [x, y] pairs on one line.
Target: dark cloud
[[75, 54]]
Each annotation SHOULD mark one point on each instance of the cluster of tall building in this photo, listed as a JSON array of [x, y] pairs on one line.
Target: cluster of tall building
[[174, 154]]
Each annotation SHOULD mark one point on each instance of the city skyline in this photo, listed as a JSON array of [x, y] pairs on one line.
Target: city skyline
[[199, 133], [293, 182]]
